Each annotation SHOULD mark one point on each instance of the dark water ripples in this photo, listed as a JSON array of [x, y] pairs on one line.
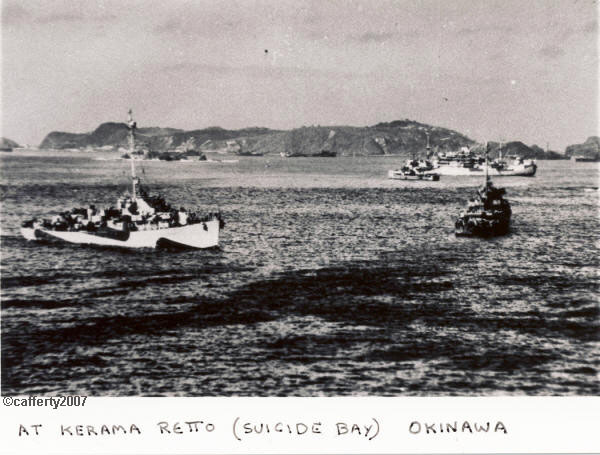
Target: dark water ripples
[[355, 288]]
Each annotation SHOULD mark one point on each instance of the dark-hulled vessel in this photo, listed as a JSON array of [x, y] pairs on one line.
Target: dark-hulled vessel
[[486, 215]]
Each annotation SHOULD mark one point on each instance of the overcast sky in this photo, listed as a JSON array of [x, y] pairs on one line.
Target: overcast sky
[[493, 70]]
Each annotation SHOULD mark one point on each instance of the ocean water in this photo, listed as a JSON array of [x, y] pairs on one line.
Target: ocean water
[[330, 280]]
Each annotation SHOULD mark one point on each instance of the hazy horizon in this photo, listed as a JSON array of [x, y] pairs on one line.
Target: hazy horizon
[[492, 70]]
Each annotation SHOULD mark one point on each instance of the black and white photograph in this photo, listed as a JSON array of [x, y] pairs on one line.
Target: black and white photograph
[[300, 198]]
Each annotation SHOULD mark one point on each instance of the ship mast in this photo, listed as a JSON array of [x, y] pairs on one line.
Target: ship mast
[[487, 149], [132, 126]]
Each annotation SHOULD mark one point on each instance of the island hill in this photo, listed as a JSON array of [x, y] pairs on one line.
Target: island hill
[[588, 151], [7, 145], [400, 137]]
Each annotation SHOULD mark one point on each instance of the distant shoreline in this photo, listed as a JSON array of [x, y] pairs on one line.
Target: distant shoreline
[[114, 155]]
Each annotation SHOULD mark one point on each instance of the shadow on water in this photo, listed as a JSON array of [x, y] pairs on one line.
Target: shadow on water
[[333, 290], [387, 298]]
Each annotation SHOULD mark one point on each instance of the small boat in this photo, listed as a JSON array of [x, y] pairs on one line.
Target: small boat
[[138, 221], [487, 215]]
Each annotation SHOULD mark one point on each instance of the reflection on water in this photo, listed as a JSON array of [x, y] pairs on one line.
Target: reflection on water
[[330, 280]]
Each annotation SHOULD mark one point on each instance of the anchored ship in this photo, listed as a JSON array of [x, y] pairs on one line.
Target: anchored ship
[[584, 159], [137, 221], [464, 162], [486, 215], [416, 169]]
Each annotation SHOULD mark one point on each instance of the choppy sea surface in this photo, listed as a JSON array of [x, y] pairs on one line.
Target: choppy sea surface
[[330, 280]]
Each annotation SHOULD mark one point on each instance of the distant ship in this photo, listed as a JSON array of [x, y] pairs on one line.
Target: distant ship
[[464, 162], [414, 170], [487, 215], [137, 221], [322, 153], [249, 153], [584, 159]]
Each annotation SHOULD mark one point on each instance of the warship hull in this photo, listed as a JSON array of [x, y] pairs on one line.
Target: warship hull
[[399, 175], [200, 235], [526, 170], [481, 227]]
